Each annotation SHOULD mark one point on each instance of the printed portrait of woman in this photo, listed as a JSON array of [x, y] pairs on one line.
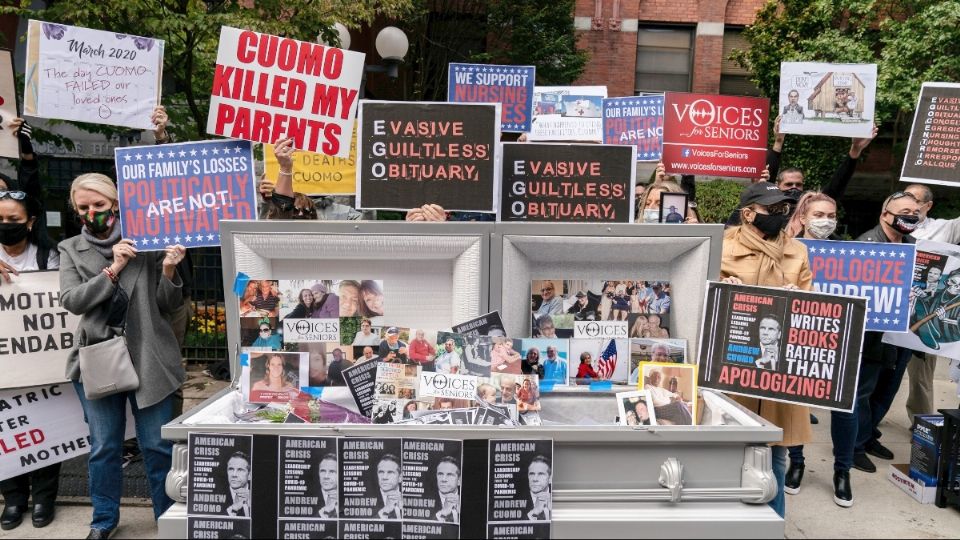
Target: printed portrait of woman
[[371, 298], [349, 291], [278, 382]]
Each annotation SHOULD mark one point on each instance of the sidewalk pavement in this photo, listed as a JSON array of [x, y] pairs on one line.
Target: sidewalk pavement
[[880, 509]]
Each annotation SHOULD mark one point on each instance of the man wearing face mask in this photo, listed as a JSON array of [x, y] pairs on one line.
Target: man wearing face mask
[[883, 365]]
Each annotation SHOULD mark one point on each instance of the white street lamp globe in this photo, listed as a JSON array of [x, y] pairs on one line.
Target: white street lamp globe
[[342, 32], [392, 43]]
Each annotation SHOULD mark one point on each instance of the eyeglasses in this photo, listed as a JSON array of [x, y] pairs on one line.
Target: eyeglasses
[[547, 289], [15, 195], [898, 195], [264, 330]]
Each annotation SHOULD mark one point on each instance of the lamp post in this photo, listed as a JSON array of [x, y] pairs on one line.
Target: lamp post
[[392, 45]]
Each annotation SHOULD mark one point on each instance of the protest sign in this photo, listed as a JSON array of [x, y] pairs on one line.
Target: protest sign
[[267, 87], [520, 498], [510, 86], [827, 99], [485, 325], [95, 76], [308, 499], [786, 345], [9, 145], [413, 154], [881, 273], [39, 334], [577, 183], [43, 425], [432, 482], [178, 193], [366, 503], [220, 475], [568, 113], [361, 379], [709, 134], [935, 306], [317, 174], [635, 121], [933, 153]]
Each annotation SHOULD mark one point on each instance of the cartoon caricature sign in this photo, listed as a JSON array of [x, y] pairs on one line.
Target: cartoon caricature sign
[[827, 99]]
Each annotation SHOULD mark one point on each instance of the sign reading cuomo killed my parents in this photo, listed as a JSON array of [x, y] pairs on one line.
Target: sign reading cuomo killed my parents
[[786, 345], [636, 121], [95, 76], [510, 86], [881, 273], [708, 134], [178, 193], [574, 183], [933, 153], [413, 154], [266, 88]]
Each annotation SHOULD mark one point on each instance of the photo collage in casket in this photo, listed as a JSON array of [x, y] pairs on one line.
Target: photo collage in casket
[[557, 304]]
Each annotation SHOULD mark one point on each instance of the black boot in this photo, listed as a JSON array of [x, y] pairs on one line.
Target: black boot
[[42, 514], [842, 492], [794, 476], [862, 463], [12, 517]]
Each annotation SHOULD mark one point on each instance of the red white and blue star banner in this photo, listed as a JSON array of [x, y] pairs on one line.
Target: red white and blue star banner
[[881, 273], [510, 86], [635, 121], [178, 193]]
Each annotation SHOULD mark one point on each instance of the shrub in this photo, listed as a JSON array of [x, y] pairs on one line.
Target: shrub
[[717, 199]]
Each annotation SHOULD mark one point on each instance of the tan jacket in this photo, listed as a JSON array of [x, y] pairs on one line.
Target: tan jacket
[[742, 262]]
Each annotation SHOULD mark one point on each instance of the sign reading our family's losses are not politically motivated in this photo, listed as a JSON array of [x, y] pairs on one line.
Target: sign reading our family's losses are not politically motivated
[[317, 174], [576, 183], [827, 99], [266, 88], [933, 153], [786, 345], [178, 193], [510, 86], [635, 121], [413, 154], [881, 273], [95, 76], [710, 134], [38, 332], [9, 145], [568, 113]]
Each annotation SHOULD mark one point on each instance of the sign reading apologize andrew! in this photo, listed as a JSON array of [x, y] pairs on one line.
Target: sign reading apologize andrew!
[[933, 153], [792, 346], [38, 332], [510, 86], [267, 87], [96, 76], [413, 154], [580, 183], [636, 121], [881, 273], [708, 134], [178, 193]]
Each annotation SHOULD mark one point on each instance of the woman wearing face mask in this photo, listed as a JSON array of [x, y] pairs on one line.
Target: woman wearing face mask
[[648, 204], [815, 217], [760, 252], [111, 285]]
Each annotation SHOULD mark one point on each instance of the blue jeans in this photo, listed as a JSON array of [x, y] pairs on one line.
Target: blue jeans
[[888, 384], [796, 455], [843, 432], [779, 503], [107, 418]]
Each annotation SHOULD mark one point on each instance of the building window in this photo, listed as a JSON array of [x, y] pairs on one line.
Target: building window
[[664, 59], [735, 80]]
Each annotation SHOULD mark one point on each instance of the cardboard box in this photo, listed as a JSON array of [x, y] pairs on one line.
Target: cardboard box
[[922, 493], [925, 448]]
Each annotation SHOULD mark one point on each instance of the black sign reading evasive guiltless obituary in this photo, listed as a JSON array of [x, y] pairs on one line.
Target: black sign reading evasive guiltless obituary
[[520, 490], [786, 345], [219, 496], [933, 153], [412, 154], [308, 502], [577, 183], [432, 478]]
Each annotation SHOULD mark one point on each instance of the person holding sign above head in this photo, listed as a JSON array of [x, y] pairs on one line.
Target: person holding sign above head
[[281, 202], [760, 252], [649, 212], [110, 284]]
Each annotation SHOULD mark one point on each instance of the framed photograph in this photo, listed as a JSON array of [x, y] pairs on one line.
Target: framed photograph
[[636, 409], [664, 351], [673, 392], [673, 207], [273, 377]]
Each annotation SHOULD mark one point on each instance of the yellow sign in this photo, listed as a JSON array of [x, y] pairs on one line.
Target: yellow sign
[[318, 174]]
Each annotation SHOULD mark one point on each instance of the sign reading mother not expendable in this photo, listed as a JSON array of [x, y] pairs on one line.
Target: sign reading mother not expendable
[[510, 86], [786, 345], [708, 134], [267, 87], [577, 183], [636, 121], [881, 273], [412, 154], [178, 193]]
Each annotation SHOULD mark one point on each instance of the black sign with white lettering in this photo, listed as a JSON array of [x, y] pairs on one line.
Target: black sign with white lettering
[[520, 491]]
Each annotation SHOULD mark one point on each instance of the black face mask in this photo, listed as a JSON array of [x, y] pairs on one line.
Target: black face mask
[[770, 225], [794, 194], [905, 224], [13, 233]]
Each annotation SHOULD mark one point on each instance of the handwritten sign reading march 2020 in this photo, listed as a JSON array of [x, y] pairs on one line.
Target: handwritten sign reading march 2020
[[413, 154], [510, 86], [636, 121], [86, 75], [178, 193], [267, 87]]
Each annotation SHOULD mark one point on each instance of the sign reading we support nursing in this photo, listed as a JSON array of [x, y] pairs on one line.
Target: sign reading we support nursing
[[786, 345], [510, 86], [178, 193], [881, 273], [267, 87], [635, 121]]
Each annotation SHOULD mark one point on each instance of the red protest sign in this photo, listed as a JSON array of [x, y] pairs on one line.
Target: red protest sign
[[267, 87], [720, 135]]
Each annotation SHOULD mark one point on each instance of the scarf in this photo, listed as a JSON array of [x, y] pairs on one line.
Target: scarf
[[104, 246], [770, 271]]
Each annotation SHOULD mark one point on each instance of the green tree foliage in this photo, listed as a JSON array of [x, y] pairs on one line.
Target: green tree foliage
[[191, 30], [717, 199]]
